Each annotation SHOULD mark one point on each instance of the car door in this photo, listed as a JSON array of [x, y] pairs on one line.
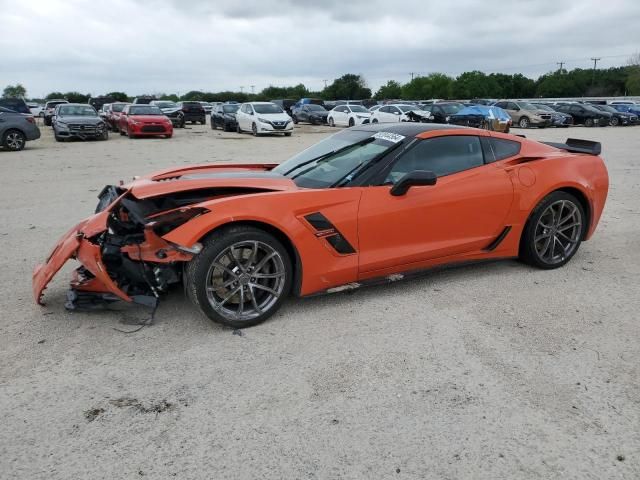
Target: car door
[[244, 118], [304, 114], [439, 115], [465, 211], [385, 115], [340, 117]]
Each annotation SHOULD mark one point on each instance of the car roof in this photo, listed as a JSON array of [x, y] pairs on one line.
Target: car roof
[[408, 129]]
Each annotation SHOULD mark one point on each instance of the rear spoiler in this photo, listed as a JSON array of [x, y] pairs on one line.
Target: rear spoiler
[[575, 145]]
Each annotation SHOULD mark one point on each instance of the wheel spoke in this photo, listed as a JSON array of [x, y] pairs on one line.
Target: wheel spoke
[[568, 217], [226, 269], [230, 296], [253, 300], [545, 247], [557, 216], [240, 310], [232, 258], [265, 288], [565, 236], [268, 275], [567, 227], [264, 260], [252, 257], [541, 236]]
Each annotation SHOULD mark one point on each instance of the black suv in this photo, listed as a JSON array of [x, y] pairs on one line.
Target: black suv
[[618, 118], [193, 112], [584, 114], [224, 116]]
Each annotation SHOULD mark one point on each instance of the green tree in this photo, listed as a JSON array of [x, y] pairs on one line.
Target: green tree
[[347, 87], [193, 95], [54, 95], [390, 90], [474, 84], [118, 96], [14, 91], [168, 96], [77, 97]]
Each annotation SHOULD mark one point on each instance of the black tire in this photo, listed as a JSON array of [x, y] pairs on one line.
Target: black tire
[[375, 120], [122, 134], [238, 129], [105, 135], [332, 123], [47, 121], [588, 122], [524, 122], [295, 120], [614, 121], [14, 140], [213, 125], [528, 251], [254, 129], [352, 122], [196, 272], [287, 134], [58, 137]]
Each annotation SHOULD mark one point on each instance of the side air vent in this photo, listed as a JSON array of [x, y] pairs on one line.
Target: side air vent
[[325, 229]]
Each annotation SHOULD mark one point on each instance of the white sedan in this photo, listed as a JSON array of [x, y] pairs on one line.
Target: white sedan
[[392, 113], [263, 117], [348, 116]]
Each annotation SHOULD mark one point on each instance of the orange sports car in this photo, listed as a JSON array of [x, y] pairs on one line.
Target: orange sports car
[[371, 203]]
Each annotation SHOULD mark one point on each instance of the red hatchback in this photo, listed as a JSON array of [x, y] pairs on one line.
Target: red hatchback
[[144, 121]]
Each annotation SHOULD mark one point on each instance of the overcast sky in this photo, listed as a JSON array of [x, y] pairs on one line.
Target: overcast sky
[[151, 46]]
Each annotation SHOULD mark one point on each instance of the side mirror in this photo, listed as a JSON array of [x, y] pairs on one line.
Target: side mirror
[[415, 178]]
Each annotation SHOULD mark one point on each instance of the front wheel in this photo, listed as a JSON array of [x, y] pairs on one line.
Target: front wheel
[[254, 129], [375, 120], [241, 277], [524, 122], [614, 121], [588, 122], [553, 232], [332, 123], [352, 122]]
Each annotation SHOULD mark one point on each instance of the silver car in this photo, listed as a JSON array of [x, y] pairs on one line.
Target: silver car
[[16, 129]]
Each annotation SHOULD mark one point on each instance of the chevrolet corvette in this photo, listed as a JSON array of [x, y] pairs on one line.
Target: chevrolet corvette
[[373, 203]]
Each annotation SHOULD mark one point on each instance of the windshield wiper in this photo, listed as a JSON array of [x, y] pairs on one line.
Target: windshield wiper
[[329, 154]]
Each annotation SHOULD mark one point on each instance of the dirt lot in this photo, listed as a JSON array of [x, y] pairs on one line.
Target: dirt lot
[[484, 372]]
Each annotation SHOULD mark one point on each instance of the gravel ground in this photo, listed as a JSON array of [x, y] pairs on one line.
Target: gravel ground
[[483, 372]]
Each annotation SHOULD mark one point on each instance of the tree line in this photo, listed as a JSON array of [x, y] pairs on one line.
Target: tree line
[[578, 82]]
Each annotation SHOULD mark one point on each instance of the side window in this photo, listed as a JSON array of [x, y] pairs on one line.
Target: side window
[[502, 105], [512, 106], [442, 156], [385, 109], [504, 148], [395, 111]]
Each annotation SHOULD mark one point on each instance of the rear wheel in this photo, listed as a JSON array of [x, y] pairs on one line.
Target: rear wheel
[[14, 140], [588, 122], [553, 232], [614, 121], [241, 277], [295, 120]]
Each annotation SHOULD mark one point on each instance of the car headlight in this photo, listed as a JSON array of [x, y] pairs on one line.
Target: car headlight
[[61, 124], [431, 117], [447, 118], [263, 120]]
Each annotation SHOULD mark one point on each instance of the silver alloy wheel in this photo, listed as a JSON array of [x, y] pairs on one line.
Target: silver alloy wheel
[[14, 140], [558, 232], [524, 122], [245, 280]]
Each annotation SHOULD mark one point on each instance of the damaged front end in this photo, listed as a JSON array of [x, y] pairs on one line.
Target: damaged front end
[[121, 250]]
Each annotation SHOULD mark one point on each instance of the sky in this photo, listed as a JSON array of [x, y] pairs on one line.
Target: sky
[[173, 46]]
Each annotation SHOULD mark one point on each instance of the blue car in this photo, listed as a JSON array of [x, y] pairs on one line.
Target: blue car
[[628, 107]]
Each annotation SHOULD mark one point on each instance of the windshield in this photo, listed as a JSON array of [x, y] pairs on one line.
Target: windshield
[[527, 106], [451, 108], [77, 111], [166, 105], [230, 108], [145, 110], [337, 159], [117, 107], [316, 108], [607, 108], [358, 108], [267, 108], [406, 108]]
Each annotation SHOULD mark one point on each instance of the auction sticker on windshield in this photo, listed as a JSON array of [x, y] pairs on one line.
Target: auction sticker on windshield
[[390, 137]]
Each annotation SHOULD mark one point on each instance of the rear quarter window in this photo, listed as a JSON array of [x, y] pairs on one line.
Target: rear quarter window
[[504, 148]]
